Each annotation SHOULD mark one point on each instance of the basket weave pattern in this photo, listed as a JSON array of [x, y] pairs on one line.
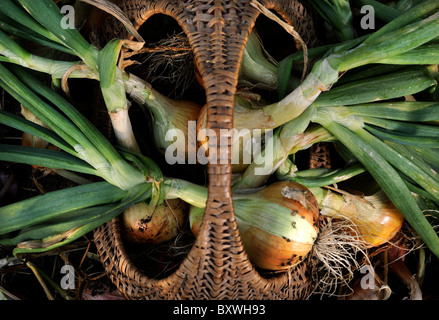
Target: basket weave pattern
[[217, 266]]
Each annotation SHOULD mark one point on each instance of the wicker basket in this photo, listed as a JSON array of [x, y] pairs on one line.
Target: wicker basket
[[217, 266]]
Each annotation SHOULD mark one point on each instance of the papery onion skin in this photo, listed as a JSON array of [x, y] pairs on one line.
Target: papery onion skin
[[148, 224], [271, 252], [376, 218]]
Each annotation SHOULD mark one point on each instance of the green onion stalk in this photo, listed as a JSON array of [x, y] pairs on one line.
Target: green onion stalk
[[114, 95], [298, 134], [338, 14], [258, 67]]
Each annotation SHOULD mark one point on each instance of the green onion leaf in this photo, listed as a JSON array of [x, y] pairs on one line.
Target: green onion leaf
[[404, 138], [38, 209], [44, 158], [34, 129], [47, 13], [388, 86]]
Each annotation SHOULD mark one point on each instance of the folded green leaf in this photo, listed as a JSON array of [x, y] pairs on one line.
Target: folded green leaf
[[44, 158], [388, 86], [112, 90], [330, 178], [400, 110], [95, 219], [38, 209], [404, 138], [34, 129]]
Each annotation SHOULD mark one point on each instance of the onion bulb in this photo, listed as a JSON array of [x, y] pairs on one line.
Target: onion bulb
[[170, 118], [278, 224], [376, 218], [142, 223]]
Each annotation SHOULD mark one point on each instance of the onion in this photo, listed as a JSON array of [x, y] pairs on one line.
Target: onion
[[375, 216], [278, 224], [142, 223]]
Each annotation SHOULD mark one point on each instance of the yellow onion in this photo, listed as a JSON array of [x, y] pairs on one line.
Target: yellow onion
[[171, 119], [375, 217], [142, 223], [278, 224]]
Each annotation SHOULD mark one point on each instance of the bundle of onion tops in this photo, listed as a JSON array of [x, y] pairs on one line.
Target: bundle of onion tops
[[353, 96]]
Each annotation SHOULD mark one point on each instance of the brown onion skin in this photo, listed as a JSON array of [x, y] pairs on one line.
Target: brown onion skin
[[157, 225], [268, 251], [271, 252], [379, 228], [309, 210]]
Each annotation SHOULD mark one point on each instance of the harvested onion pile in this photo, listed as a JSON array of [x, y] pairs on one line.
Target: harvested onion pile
[[373, 99]]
